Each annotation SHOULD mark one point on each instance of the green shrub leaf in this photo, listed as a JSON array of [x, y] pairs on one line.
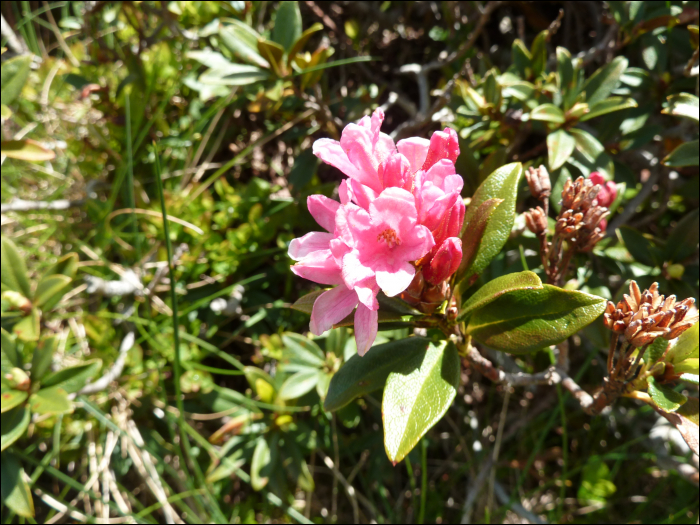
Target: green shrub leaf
[[548, 113], [287, 29], [684, 155], [74, 378], [417, 395], [682, 105], [608, 105], [9, 399], [48, 287], [16, 494], [664, 397], [13, 272], [15, 72], [299, 384], [686, 346], [496, 288], [599, 86], [42, 356], [52, 400], [560, 146], [14, 423], [10, 357], [526, 320]]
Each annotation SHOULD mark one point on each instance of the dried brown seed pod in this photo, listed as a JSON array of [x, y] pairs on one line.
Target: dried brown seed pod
[[539, 182]]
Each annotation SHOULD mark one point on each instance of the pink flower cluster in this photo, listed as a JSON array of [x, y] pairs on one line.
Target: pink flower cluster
[[606, 195], [400, 209]]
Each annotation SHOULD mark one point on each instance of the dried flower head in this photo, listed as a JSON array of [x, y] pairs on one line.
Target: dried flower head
[[536, 221], [538, 180], [580, 218], [642, 317]]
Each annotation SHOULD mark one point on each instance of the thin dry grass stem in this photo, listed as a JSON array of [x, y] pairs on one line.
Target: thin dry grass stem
[[497, 444], [353, 495]]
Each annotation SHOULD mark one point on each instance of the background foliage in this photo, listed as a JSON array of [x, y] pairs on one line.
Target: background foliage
[[116, 114]]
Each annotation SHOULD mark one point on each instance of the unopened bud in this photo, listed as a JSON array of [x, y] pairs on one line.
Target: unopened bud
[[445, 261], [538, 180], [17, 301], [18, 379], [608, 189], [536, 221]]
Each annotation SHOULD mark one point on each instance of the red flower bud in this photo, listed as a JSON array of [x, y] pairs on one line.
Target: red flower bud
[[445, 261]]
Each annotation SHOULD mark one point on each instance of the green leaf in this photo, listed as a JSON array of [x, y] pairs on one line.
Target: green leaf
[[10, 357], [417, 395], [42, 357], [592, 153], [560, 146], [691, 378], [362, 375], [539, 53], [301, 350], [656, 351], [16, 494], [26, 149], [13, 272], [474, 235], [501, 184], [306, 303], [14, 423], [287, 29], [565, 71], [684, 155], [608, 105], [548, 113], [496, 288], [689, 366], [48, 287], [262, 384], [242, 41], [522, 59], [261, 459], [599, 86], [596, 482], [9, 399], [686, 346], [15, 72], [683, 240], [66, 265], [274, 54], [521, 90], [236, 75], [682, 105], [301, 42], [663, 397], [28, 328], [643, 249], [52, 400], [74, 378], [523, 321], [299, 384]]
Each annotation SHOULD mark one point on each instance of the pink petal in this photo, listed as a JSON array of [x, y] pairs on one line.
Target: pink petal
[[332, 307], [440, 207], [443, 145], [362, 194], [351, 220], [416, 242], [394, 207], [396, 172], [445, 261], [356, 141], [354, 271], [597, 178], [415, 150], [376, 123], [323, 210], [395, 280], [331, 152], [319, 267], [311, 242], [366, 326], [367, 293], [439, 171], [384, 147], [344, 192]]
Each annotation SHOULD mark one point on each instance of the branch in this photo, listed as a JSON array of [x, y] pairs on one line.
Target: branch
[[23, 205]]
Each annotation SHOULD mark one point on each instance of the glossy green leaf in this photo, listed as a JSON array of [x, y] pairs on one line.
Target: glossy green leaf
[[642, 248], [52, 400], [13, 272], [262, 384], [608, 105], [14, 424], [74, 378], [683, 105], [299, 384], [656, 350], [592, 153], [274, 54], [27, 329], [259, 463], [501, 184], [364, 374], [599, 86], [686, 346], [521, 90], [473, 236], [306, 303], [496, 288], [66, 265], [664, 397], [417, 395], [10, 357], [539, 53], [683, 240], [26, 149], [684, 155], [9, 399], [287, 29], [302, 350], [689, 366], [691, 378], [16, 494], [48, 287], [548, 113], [237, 75], [687, 423], [301, 42], [565, 72], [522, 59], [242, 41], [596, 482], [15, 72], [560, 146], [42, 357], [524, 321]]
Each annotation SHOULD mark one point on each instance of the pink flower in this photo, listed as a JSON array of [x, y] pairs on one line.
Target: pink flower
[[382, 241], [608, 189], [445, 261]]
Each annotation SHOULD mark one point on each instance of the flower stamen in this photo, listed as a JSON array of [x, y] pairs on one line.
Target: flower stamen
[[390, 237]]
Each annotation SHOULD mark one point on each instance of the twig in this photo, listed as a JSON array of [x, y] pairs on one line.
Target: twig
[[473, 490], [521, 511], [57, 32], [24, 205], [13, 41], [353, 495]]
